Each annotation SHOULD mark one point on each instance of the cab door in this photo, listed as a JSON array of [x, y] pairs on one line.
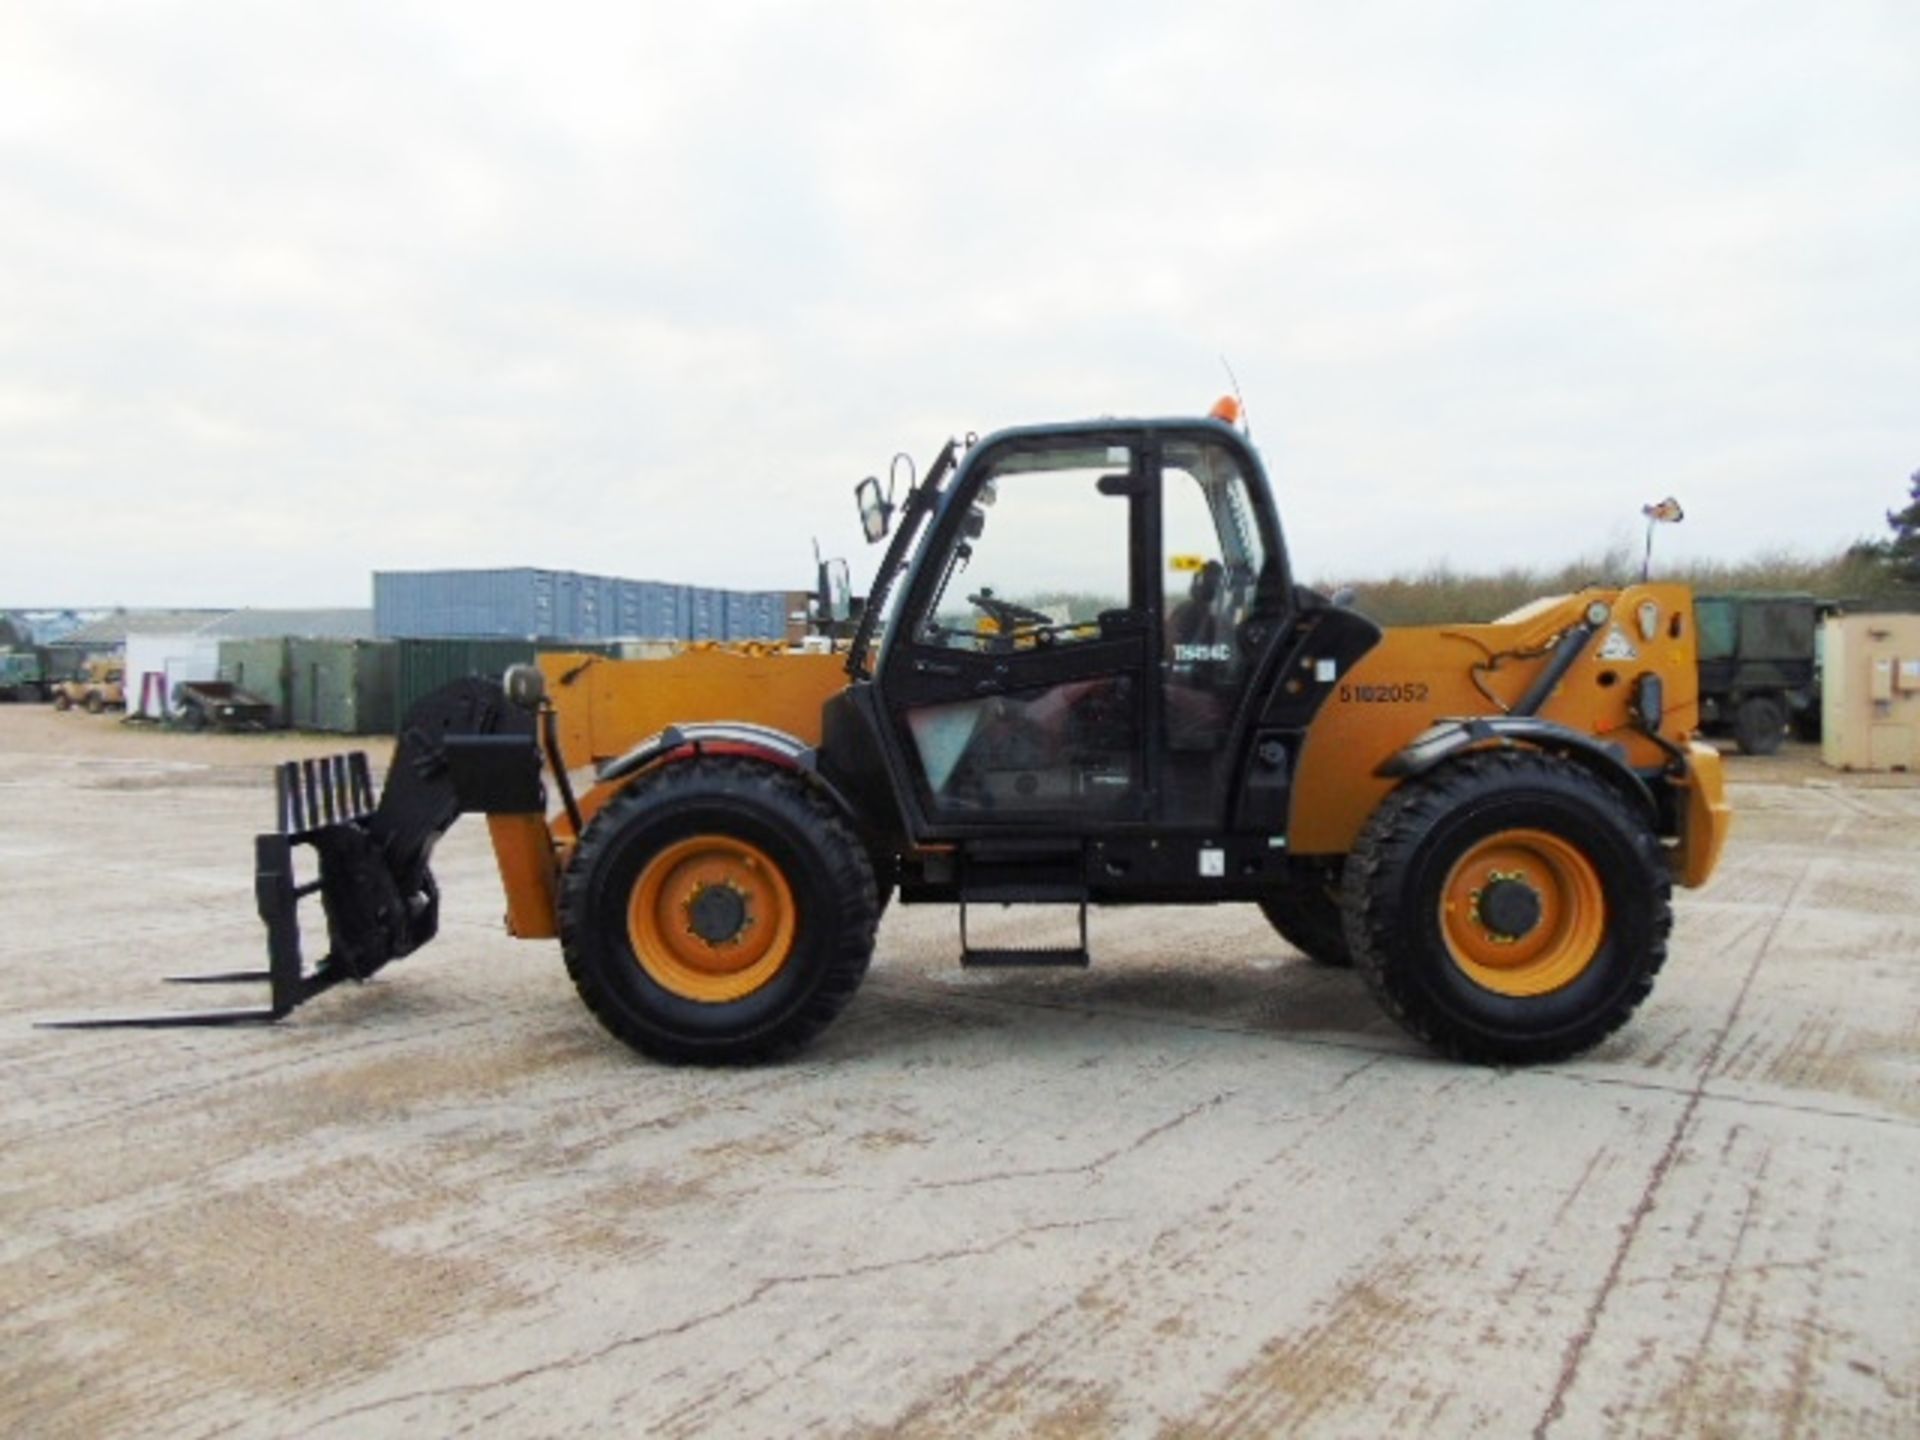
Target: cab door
[[1222, 603], [1016, 681]]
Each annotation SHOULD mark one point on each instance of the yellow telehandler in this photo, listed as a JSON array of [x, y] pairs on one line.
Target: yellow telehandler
[[1085, 674]]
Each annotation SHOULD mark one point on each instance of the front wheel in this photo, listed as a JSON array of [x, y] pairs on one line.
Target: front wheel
[[718, 912], [1508, 908], [1760, 725]]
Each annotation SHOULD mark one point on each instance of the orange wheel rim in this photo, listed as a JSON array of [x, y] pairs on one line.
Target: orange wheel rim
[[711, 918], [1523, 913]]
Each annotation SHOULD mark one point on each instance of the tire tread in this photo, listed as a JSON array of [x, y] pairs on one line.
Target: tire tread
[[813, 817], [1386, 849]]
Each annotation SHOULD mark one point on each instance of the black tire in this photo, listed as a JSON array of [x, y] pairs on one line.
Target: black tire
[[1305, 909], [1398, 876], [62, 700], [1760, 725], [817, 855], [94, 703]]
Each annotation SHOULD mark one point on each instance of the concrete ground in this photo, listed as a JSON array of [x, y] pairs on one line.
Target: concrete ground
[[1203, 1189]]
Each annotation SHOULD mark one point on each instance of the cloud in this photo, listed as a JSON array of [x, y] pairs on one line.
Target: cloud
[[295, 293]]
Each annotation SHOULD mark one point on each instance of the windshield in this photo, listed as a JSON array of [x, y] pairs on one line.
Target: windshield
[[1040, 555]]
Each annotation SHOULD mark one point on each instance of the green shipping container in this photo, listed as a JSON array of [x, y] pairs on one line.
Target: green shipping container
[[342, 687], [261, 668], [426, 665]]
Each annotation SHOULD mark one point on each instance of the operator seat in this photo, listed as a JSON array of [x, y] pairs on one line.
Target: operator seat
[[1195, 620]]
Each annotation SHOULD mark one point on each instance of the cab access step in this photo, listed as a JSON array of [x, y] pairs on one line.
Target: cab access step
[[1014, 893]]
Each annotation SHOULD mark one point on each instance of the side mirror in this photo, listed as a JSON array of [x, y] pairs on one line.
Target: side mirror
[[834, 600], [875, 513]]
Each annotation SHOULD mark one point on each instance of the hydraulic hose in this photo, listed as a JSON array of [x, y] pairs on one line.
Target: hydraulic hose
[[1571, 645]]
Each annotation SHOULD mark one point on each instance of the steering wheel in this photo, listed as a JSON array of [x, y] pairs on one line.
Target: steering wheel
[[1004, 613]]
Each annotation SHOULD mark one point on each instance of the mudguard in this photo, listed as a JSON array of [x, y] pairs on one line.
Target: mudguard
[[1445, 739], [729, 735]]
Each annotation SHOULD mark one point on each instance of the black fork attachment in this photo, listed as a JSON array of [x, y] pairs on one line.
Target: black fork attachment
[[464, 742]]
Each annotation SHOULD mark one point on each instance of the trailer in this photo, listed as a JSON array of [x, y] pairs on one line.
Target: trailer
[[218, 705]]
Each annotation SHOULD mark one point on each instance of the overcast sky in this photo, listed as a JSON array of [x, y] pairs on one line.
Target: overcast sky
[[289, 293]]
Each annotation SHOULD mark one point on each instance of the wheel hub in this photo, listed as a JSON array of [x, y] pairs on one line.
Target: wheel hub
[[711, 918], [718, 914], [1509, 907], [1523, 912]]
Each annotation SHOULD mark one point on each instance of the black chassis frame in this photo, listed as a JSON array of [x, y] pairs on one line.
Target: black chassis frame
[[1146, 858]]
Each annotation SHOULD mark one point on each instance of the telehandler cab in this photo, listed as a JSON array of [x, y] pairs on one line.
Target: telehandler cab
[[1085, 674]]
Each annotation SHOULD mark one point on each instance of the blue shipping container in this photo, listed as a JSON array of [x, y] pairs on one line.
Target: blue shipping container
[[707, 614], [649, 610], [756, 615], [527, 604], [463, 603]]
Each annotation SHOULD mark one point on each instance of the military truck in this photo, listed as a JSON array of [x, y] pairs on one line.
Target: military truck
[[23, 675], [1759, 670]]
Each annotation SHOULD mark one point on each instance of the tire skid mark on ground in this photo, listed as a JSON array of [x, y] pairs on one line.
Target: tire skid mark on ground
[[1582, 1339], [1014, 1385]]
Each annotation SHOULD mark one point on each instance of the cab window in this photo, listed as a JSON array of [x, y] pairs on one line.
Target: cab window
[[1217, 574], [1040, 556]]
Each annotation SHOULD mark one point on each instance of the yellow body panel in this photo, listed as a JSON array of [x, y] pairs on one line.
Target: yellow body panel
[[529, 873], [606, 707], [1707, 818], [1421, 674], [1414, 677]]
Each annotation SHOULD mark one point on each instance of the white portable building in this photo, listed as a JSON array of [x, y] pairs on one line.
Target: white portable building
[[159, 661]]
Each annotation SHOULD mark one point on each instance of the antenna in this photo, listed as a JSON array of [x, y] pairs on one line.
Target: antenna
[[1234, 380]]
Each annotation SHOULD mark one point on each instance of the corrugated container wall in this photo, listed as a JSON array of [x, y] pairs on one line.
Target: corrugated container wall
[[706, 614], [433, 603], [756, 615], [738, 609], [527, 604], [261, 668], [426, 665], [342, 687], [649, 610]]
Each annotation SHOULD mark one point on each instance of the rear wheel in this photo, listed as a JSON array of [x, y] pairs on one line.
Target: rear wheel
[[62, 700], [1305, 909], [1508, 908], [1760, 725], [94, 703], [718, 912]]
